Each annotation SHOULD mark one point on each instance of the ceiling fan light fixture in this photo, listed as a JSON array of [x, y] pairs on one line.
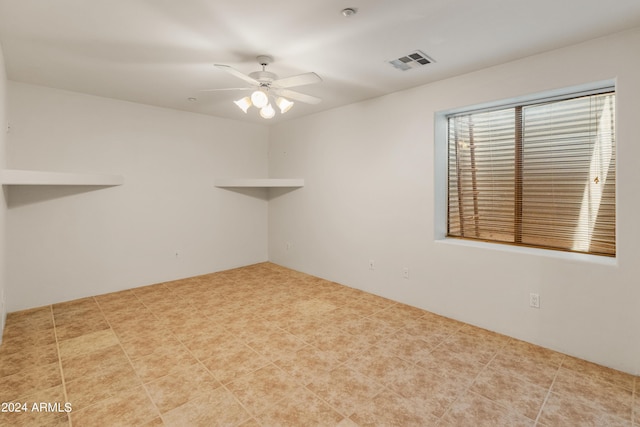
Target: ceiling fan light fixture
[[243, 103], [267, 112], [284, 104], [263, 81], [259, 99]]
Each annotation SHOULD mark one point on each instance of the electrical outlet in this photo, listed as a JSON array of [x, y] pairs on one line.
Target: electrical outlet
[[287, 245], [534, 300], [405, 272], [372, 264]]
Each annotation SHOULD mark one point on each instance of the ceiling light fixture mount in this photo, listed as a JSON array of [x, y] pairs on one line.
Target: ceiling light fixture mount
[[349, 11]]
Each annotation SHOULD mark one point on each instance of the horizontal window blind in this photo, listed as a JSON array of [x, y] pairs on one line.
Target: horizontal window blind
[[537, 175]]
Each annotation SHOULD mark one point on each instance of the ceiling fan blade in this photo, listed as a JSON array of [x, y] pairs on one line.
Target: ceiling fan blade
[[226, 88], [299, 80], [302, 97], [237, 74]]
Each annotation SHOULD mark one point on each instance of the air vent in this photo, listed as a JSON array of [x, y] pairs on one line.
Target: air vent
[[413, 60]]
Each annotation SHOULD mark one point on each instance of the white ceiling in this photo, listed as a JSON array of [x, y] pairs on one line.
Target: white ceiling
[[161, 52]]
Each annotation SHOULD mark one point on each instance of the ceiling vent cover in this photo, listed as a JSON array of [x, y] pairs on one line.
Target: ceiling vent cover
[[413, 60]]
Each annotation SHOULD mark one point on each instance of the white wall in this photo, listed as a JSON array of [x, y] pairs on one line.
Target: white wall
[[3, 201], [370, 190], [69, 242]]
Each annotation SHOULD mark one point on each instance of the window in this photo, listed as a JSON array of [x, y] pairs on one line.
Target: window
[[538, 174]]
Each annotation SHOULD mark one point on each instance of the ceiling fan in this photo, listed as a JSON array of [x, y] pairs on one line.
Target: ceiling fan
[[266, 85]]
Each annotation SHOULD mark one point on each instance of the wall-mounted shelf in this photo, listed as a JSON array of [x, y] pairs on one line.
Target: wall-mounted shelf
[[29, 177], [259, 183]]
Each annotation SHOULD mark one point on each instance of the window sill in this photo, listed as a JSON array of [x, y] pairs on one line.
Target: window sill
[[560, 255]]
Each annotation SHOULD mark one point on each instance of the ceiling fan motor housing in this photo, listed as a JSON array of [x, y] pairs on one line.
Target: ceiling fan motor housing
[[264, 60], [264, 77]]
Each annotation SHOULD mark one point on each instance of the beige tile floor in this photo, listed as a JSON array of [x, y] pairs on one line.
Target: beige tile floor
[[266, 346]]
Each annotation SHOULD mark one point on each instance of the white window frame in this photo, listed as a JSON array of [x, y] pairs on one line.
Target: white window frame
[[441, 173]]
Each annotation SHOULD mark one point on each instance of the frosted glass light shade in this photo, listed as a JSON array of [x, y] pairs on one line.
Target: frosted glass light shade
[[267, 112], [259, 99], [243, 103], [284, 105]]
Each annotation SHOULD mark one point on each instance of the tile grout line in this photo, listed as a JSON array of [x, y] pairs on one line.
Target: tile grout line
[[222, 385], [286, 373], [128, 359], [304, 386], [337, 411], [444, 339], [339, 365], [170, 333], [251, 416], [344, 363], [383, 386], [62, 380], [546, 397], [468, 390], [588, 402], [200, 362]]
